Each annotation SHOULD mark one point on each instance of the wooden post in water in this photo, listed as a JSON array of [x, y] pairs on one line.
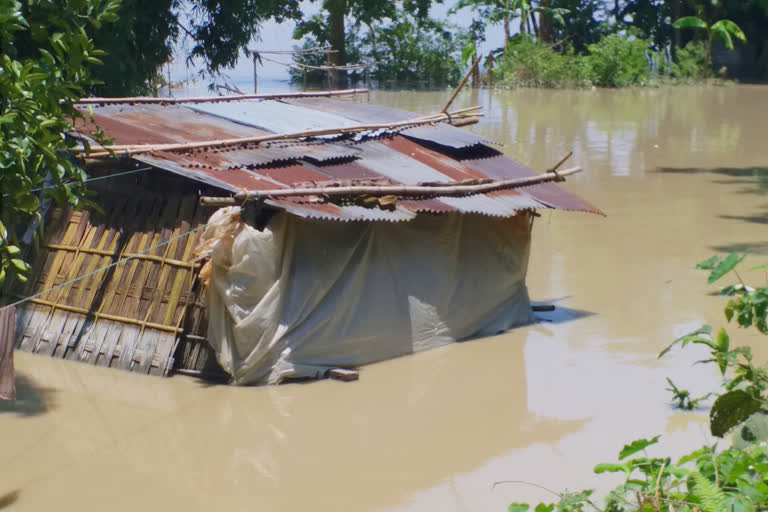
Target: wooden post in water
[[304, 78], [490, 69], [255, 72], [328, 63], [170, 85]]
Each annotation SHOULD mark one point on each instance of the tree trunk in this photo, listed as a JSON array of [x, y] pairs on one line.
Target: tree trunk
[[675, 17], [336, 11], [506, 29], [546, 25]]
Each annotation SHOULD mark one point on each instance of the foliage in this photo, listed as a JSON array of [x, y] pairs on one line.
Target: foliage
[[328, 25], [722, 30], [408, 50], [582, 24], [528, 63], [37, 91], [618, 61], [404, 51], [692, 62], [683, 397]]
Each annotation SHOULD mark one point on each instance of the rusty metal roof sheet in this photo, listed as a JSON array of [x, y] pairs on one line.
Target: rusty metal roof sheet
[[364, 113], [389, 159], [550, 194], [274, 116]]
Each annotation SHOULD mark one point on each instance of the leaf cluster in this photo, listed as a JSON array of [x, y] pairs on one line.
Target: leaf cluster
[[37, 94], [704, 480]]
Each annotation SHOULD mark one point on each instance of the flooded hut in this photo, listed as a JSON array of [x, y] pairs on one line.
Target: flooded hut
[[349, 233]]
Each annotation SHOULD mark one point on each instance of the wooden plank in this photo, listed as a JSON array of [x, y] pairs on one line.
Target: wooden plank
[[42, 343], [41, 315], [343, 375], [134, 213], [137, 306]]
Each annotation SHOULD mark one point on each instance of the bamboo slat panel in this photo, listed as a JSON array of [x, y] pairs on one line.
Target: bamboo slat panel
[[130, 316]]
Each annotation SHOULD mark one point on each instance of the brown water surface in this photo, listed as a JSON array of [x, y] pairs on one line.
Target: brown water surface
[[682, 173]]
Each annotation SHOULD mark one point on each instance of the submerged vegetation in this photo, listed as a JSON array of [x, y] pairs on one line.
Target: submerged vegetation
[[709, 479]]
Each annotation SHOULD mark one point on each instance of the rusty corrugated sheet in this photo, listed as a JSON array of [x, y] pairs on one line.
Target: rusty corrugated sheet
[[550, 194], [390, 159], [156, 124], [363, 113]]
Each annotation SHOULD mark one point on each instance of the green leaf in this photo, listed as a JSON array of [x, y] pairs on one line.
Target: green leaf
[[731, 409], [611, 468], [730, 28], [709, 264], [518, 507], [20, 265], [541, 507], [690, 22], [691, 337], [637, 446], [723, 35], [723, 341], [725, 266]]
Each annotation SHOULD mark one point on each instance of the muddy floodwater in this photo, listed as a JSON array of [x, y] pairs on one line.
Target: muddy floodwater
[[681, 173]]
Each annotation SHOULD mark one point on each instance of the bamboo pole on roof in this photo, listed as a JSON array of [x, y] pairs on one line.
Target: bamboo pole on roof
[[216, 99], [470, 112], [460, 86], [433, 190]]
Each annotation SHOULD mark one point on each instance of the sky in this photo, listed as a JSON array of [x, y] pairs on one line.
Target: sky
[[278, 37]]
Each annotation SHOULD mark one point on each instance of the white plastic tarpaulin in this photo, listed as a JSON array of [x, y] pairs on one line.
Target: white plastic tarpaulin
[[304, 296]]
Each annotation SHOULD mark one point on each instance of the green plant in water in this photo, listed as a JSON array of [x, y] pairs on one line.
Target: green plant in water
[[708, 479], [683, 399]]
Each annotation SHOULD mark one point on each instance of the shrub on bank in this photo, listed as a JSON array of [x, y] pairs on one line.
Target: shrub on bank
[[692, 62], [614, 61], [617, 61], [528, 63]]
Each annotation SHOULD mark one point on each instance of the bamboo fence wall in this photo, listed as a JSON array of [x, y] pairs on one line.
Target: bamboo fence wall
[[134, 315]]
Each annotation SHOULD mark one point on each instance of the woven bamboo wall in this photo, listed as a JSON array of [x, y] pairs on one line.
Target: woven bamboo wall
[[131, 316]]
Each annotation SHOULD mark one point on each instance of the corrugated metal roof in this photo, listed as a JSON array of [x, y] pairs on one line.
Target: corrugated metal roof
[[364, 113], [389, 159]]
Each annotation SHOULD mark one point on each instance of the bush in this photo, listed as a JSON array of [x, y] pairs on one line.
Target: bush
[[407, 52], [618, 61], [692, 62], [528, 63]]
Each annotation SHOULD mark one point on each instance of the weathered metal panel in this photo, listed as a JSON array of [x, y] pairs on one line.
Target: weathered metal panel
[[399, 168], [549, 194], [155, 124], [274, 116], [363, 113]]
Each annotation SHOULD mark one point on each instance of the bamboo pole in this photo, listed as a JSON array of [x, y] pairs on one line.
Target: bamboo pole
[[146, 148], [215, 99], [436, 190], [561, 162], [460, 86], [255, 72]]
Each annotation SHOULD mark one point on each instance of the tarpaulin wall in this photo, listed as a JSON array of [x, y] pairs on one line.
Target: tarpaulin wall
[[303, 296]]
